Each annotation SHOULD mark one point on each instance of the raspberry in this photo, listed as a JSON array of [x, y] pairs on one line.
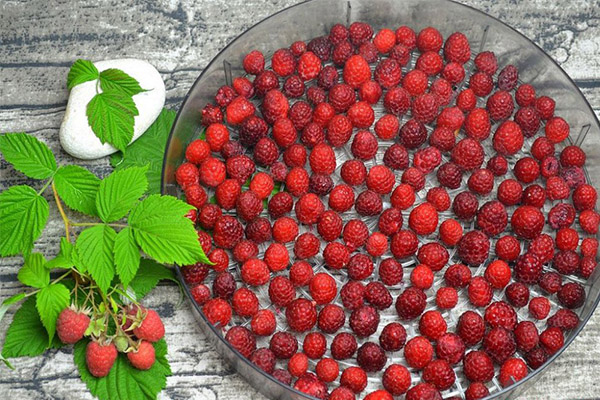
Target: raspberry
[[322, 288], [396, 157], [439, 373], [476, 391], [418, 352], [240, 168], [410, 303], [393, 337], [508, 78], [407, 37], [364, 321], [194, 274], [301, 315], [238, 110], [341, 198], [336, 255], [480, 292], [297, 181], [223, 285], [466, 100], [450, 232], [525, 95], [71, 325], [338, 33], [535, 196], [470, 328], [143, 358], [280, 204], [341, 393], [322, 114], [343, 346], [217, 311], [307, 245], [403, 196], [242, 340], [252, 130], [227, 232], [425, 108], [450, 117], [556, 129], [584, 197], [354, 378], [195, 195], [473, 247], [396, 379], [264, 359], [283, 345], [243, 87], [567, 239], [492, 218], [364, 145], [529, 120], [361, 114], [549, 166], [429, 39], [274, 106], [371, 357], [536, 357], [423, 391], [315, 344], [430, 62], [385, 40], [439, 198], [277, 257], [421, 277], [327, 370], [370, 92], [404, 244], [457, 49], [468, 154], [377, 244], [539, 307], [433, 255], [281, 291], [100, 358], [498, 165], [571, 295], [570, 156], [561, 215], [414, 178], [453, 72], [330, 225], [301, 273], [587, 266], [254, 62], [390, 272], [298, 364], [508, 138], [397, 101], [477, 124], [331, 318], [517, 294], [500, 314], [248, 205], [211, 114], [498, 274], [200, 293], [427, 159], [550, 282], [196, 152], [255, 272], [528, 268], [262, 185], [293, 87], [589, 220], [526, 169], [481, 181], [309, 208], [545, 106], [432, 325], [355, 234], [388, 73], [360, 32], [449, 175], [309, 66], [356, 71], [450, 348], [339, 130], [360, 267], [390, 221], [300, 114], [513, 370], [527, 222], [442, 138], [187, 174], [564, 319], [478, 366], [295, 155], [552, 340], [526, 336], [412, 134], [481, 84]]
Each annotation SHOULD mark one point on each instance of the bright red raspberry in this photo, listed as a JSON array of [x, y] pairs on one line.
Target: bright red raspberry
[[361, 114], [423, 219], [477, 124], [513, 370], [442, 138], [454, 73], [427, 159], [341, 198], [396, 379], [370, 92], [403, 196], [421, 277], [336, 255], [432, 325], [377, 244], [418, 352], [429, 39], [466, 100], [527, 222], [415, 83], [589, 221], [478, 366], [450, 232], [439, 373], [327, 370], [468, 154], [498, 274], [430, 62], [217, 311], [356, 71], [331, 318], [557, 129], [480, 292], [481, 84], [526, 170], [309, 66], [380, 179], [404, 244], [285, 230], [307, 245], [354, 378], [238, 110], [457, 49], [552, 339], [486, 62], [450, 348], [387, 127], [481, 181], [508, 138]]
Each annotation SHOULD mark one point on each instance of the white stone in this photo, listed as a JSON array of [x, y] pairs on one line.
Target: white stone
[[76, 136]]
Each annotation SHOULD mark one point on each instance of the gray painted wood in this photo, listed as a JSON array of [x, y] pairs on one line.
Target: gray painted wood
[[40, 39]]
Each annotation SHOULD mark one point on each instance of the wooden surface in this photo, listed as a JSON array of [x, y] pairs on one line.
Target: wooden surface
[[40, 39]]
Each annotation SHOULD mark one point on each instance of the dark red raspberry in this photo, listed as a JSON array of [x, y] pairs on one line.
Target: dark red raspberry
[[449, 175], [307, 245], [336, 255], [223, 285], [526, 336], [264, 82], [281, 291], [427, 159], [442, 138], [534, 195], [227, 232], [439, 373], [571, 295], [393, 337], [563, 319], [397, 101], [508, 78], [453, 72], [423, 391], [528, 268], [551, 340], [388, 73], [500, 314], [566, 262], [252, 130], [425, 107], [331, 318], [242, 340], [561, 215], [550, 282], [390, 271], [320, 184], [364, 321], [378, 296], [517, 294], [248, 205], [410, 303], [396, 157], [492, 218], [412, 134], [254, 62], [478, 366], [527, 222], [529, 120], [293, 87], [470, 328], [371, 357], [194, 274], [468, 154], [211, 114], [283, 345], [360, 32], [352, 295], [525, 95], [536, 357], [368, 203], [476, 391], [364, 145], [360, 266], [481, 181], [450, 348], [465, 205], [301, 315], [457, 276]]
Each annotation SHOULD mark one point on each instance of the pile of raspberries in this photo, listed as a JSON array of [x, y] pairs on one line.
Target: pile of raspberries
[[391, 206]]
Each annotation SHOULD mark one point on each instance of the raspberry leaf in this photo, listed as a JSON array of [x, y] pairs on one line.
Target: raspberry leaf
[[124, 382], [50, 301], [28, 155], [81, 71], [77, 187], [148, 276], [119, 191], [34, 272], [64, 258], [164, 233], [26, 336], [23, 216], [116, 79], [148, 150], [127, 255], [111, 116], [95, 250]]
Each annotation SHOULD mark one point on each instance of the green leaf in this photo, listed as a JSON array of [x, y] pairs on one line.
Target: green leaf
[[50, 301], [95, 249], [116, 79], [148, 276], [119, 191], [81, 71], [23, 216], [77, 187], [34, 272], [26, 335], [64, 258], [123, 381], [9, 302], [28, 155], [127, 256], [167, 236], [148, 150], [110, 115]]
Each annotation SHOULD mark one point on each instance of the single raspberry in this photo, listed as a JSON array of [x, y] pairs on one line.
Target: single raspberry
[[338, 33], [561, 215], [397, 101], [528, 268], [587, 267], [542, 148], [393, 337], [241, 339], [529, 120], [564, 319], [457, 276], [571, 295], [433, 255], [297, 181], [360, 266], [244, 302], [439, 373], [339, 130], [396, 379], [223, 285], [280, 204], [360, 32], [421, 277], [525, 95], [283, 345], [432, 325], [536, 357], [526, 336], [470, 328], [492, 218], [425, 107], [388, 73], [513, 370], [480, 292], [423, 391], [211, 114], [187, 174], [508, 138], [535, 196], [410, 303], [466, 100], [549, 166], [501, 314], [307, 245], [517, 294], [341, 198], [539, 307], [315, 95], [430, 62], [341, 393], [71, 325], [301, 114], [474, 247], [264, 359], [217, 312], [143, 357], [100, 358], [200, 293], [584, 197], [240, 168], [248, 205], [355, 234], [227, 232], [390, 272], [589, 220], [396, 157], [265, 82], [481, 84], [254, 62], [371, 357], [354, 378], [412, 134], [255, 272], [327, 369], [450, 348], [457, 49], [323, 288], [527, 222], [194, 274], [450, 232], [390, 221], [277, 257], [315, 344], [377, 244], [293, 87], [252, 130], [478, 366], [407, 37], [442, 138], [498, 274], [295, 155], [331, 318], [429, 39], [196, 152], [476, 391], [301, 315], [551, 340], [477, 124], [298, 364], [557, 129], [384, 40], [301, 273], [243, 87], [308, 66], [368, 51], [481, 181], [526, 170], [403, 196], [449, 175], [364, 321], [336, 255], [550, 282], [364, 145], [356, 71], [308, 209], [498, 165], [404, 244], [426, 160], [418, 352], [370, 92], [468, 154], [454, 73], [343, 346]]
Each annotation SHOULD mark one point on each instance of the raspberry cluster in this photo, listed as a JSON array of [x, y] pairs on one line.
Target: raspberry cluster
[[365, 178]]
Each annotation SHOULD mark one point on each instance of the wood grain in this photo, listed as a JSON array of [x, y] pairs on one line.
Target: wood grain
[[40, 39]]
